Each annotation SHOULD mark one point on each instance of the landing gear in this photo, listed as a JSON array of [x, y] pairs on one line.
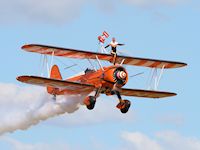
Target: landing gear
[[123, 105], [54, 97], [91, 100]]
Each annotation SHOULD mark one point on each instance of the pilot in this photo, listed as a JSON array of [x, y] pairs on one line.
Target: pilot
[[89, 70], [114, 45]]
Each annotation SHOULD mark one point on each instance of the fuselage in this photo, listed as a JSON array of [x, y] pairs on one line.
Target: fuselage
[[105, 78]]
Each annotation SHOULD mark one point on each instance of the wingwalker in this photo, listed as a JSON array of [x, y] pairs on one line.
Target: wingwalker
[[108, 80]]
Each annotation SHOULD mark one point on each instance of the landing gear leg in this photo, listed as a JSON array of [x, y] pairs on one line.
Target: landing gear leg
[[54, 92], [123, 105]]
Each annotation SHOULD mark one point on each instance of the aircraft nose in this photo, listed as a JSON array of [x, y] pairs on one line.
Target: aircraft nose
[[121, 75]]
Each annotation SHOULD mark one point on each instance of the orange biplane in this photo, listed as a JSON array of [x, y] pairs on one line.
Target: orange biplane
[[106, 80]]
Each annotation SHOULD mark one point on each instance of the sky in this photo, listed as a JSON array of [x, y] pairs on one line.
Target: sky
[[160, 29]]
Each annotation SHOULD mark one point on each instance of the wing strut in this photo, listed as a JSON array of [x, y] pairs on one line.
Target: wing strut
[[46, 64], [122, 62], [52, 56], [92, 65], [155, 77], [99, 62]]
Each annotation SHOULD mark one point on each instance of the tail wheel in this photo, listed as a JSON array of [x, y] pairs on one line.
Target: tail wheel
[[54, 97], [126, 105], [91, 100]]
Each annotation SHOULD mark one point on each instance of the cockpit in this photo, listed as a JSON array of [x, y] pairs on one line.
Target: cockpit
[[88, 70]]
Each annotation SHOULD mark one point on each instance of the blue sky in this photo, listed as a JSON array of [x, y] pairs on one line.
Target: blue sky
[[167, 29]]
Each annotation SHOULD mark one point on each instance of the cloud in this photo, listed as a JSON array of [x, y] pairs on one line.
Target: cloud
[[17, 145], [140, 141], [155, 3], [60, 12], [172, 140], [45, 11], [105, 6], [165, 140]]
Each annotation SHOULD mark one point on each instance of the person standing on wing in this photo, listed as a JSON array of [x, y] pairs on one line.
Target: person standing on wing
[[114, 45]]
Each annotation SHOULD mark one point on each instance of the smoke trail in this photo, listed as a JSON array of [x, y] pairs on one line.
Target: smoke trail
[[21, 107]]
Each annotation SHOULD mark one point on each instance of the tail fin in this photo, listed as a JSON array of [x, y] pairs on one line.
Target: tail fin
[[55, 74]]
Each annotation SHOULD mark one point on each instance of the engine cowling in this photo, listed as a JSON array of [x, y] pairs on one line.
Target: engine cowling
[[116, 75]]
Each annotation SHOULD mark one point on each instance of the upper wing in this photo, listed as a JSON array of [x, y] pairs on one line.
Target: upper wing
[[72, 53], [145, 93], [61, 84]]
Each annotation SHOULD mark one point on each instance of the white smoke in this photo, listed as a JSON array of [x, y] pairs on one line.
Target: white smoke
[[20, 107], [45, 11]]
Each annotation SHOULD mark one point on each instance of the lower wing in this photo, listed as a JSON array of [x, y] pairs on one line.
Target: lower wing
[[60, 84], [146, 93]]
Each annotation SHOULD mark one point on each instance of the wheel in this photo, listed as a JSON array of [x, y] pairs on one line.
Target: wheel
[[54, 97], [127, 104], [92, 101]]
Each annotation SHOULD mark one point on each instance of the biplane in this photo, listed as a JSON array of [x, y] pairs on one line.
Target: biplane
[[108, 80]]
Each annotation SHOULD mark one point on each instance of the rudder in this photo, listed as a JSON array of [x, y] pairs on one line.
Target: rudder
[[54, 74]]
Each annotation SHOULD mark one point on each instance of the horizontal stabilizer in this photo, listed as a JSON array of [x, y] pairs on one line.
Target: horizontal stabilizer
[[145, 93]]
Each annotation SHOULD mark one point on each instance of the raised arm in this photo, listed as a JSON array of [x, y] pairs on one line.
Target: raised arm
[[107, 46], [120, 44]]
